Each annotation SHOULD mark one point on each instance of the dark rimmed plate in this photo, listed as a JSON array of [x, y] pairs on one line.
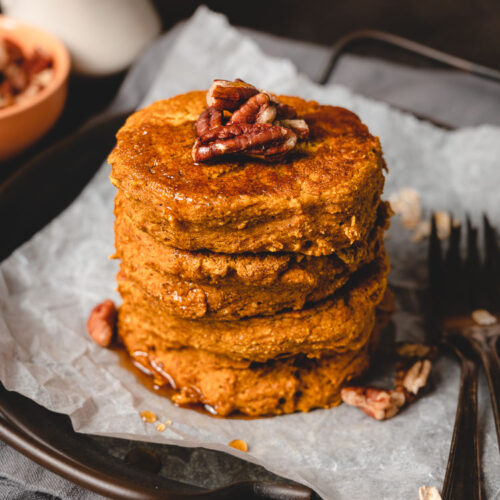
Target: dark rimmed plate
[[30, 199]]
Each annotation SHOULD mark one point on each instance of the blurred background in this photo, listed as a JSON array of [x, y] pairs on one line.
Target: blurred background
[[460, 27]]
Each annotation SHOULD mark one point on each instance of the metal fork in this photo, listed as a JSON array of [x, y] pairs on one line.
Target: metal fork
[[457, 287]]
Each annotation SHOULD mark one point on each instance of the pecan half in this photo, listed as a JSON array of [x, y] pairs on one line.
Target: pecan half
[[411, 378], [257, 140], [227, 95], [483, 317], [416, 377], [210, 118], [101, 323], [377, 403], [251, 129], [413, 367], [258, 109]]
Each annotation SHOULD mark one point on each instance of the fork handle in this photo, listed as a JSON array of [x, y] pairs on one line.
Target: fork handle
[[462, 480], [487, 351]]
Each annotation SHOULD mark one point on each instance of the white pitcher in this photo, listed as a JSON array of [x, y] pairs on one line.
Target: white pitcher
[[102, 36]]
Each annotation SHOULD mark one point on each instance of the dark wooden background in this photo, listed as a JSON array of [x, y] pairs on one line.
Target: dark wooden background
[[466, 28]]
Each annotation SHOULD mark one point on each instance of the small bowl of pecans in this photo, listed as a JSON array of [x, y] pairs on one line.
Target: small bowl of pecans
[[34, 69]]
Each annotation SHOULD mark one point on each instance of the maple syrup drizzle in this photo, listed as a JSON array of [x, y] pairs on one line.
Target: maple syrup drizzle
[[164, 386]]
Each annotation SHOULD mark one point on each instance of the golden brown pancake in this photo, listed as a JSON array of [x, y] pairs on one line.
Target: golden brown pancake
[[195, 284], [227, 385], [336, 324], [248, 285], [321, 198]]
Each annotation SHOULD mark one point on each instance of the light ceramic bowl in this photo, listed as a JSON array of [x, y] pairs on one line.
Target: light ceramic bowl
[[22, 124]]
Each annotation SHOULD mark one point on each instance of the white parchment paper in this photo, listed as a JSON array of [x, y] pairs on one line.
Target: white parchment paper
[[49, 285]]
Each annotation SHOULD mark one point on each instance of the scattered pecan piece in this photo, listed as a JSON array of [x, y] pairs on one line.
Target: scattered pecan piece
[[101, 323], [413, 367], [412, 372], [428, 493], [210, 118], [483, 317], [377, 403], [411, 380], [259, 140], [407, 203], [229, 96]]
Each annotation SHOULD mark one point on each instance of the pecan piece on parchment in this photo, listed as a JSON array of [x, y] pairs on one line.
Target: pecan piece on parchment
[[428, 493], [101, 323], [410, 378], [413, 367], [259, 140], [377, 403]]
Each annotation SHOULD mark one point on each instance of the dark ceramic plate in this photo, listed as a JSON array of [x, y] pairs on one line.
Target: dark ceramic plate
[[116, 468], [119, 468]]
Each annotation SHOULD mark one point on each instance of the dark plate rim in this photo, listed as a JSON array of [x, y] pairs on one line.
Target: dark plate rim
[[27, 438], [27, 426]]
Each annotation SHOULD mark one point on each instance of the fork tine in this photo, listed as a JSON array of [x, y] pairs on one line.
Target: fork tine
[[436, 279], [491, 268], [472, 268], [490, 239], [454, 291], [435, 258]]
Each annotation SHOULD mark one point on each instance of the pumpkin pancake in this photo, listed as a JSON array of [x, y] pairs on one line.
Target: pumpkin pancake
[[339, 323], [228, 287], [321, 198], [226, 385]]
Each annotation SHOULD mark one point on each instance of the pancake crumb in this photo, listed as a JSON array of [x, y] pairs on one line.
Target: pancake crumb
[[239, 444], [148, 416]]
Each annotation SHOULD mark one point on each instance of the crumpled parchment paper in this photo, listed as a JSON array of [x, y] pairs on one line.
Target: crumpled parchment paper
[[49, 285]]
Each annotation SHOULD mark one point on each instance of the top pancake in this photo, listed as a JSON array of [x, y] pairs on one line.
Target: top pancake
[[322, 197]]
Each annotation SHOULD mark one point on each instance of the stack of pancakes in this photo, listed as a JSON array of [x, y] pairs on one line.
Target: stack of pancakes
[[249, 286]]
